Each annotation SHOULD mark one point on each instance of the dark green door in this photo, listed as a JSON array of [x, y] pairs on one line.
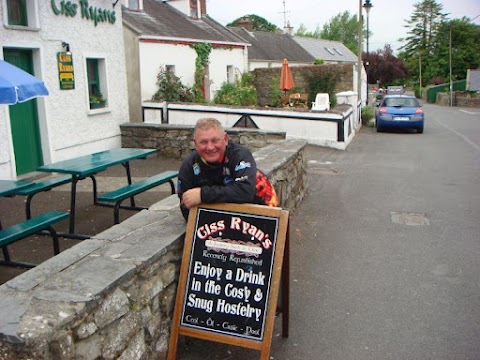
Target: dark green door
[[24, 120]]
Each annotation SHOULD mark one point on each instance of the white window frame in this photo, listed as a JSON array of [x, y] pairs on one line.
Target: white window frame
[[230, 74], [33, 19], [102, 77]]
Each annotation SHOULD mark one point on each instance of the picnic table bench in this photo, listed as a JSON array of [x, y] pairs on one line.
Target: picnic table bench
[[29, 227], [117, 196], [36, 187]]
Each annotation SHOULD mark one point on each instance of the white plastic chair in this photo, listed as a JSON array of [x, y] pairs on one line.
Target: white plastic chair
[[321, 103]]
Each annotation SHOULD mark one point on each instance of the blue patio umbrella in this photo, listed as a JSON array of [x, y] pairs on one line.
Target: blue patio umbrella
[[17, 85]]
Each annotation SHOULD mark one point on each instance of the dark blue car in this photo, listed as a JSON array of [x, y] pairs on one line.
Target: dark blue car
[[400, 111]]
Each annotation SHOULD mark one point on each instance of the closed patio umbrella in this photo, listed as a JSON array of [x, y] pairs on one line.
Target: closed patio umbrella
[[17, 85], [286, 78]]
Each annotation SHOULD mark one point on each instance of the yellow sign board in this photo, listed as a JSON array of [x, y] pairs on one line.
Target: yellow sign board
[[65, 71]]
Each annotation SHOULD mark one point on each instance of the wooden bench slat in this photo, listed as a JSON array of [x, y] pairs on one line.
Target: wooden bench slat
[[138, 187], [31, 226]]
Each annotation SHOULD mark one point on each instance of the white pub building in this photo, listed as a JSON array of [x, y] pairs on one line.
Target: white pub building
[[76, 47]]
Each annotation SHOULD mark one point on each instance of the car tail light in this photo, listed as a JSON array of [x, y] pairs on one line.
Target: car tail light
[[419, 111], [382, 110]]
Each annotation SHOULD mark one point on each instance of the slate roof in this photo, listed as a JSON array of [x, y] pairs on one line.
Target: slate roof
[[267, 46], [327, 50], [159, 19]]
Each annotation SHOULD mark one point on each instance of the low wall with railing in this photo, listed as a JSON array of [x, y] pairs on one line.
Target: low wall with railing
[[335, 128], [112, 296]]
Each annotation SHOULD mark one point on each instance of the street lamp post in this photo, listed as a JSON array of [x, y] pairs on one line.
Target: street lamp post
[[359, 60], [450, 60], [367, 6]]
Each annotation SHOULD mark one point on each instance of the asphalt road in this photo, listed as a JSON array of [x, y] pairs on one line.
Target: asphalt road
[[385, 249]]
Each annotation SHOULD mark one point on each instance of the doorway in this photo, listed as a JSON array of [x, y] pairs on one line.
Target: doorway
[[24, 125]]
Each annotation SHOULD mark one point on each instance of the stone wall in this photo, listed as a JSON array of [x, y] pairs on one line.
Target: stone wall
[[263, 80], [459, 99], [112, 296], [176, 141]]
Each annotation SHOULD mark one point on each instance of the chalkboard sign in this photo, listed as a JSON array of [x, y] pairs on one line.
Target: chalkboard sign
[[230, 275]]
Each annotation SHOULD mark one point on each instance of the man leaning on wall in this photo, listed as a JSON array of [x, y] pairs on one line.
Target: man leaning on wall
[[220, 171]]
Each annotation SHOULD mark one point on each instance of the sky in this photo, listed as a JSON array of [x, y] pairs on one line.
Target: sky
[[386, 18]]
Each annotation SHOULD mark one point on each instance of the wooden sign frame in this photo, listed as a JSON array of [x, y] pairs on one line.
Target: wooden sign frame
[[238, 306]]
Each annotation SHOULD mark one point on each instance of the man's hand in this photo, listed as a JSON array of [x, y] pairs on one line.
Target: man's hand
[[192, 197]]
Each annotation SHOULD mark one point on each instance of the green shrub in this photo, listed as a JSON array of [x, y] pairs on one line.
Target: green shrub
[[170, 88], [275, 92], [242, 92], [367, 115], [322, 83]]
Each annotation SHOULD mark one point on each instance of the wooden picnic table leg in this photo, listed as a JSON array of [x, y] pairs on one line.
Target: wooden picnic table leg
[[6, 255], [126, 165], [73, 196], [94, 183]]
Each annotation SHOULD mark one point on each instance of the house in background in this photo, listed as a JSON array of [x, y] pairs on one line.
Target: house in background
[[268, 49], [336, 53], [326, 50], [159, 34], [76, 48]]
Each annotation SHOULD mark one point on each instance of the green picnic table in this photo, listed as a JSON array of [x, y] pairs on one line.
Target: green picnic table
[[89, 165]]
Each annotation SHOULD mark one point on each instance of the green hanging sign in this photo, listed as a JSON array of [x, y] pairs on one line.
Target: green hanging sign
[[65, 71]]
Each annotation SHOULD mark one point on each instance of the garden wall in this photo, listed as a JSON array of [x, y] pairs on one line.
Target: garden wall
[[267, 80], [460, 99], [176, 141], [112, 296]]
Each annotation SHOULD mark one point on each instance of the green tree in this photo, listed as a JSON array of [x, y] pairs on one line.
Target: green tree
[[343, 28], [384, 67], [423, 27], [465, 49], [258, 23], [302, 31]]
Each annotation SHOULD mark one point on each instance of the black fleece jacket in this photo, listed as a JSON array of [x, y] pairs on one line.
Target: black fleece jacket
[[233, 180]]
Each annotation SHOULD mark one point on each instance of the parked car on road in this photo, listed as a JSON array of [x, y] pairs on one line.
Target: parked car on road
[[395, 90], [400, 111]]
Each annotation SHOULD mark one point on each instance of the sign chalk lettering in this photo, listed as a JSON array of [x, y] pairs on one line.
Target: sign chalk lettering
[[230, 275]]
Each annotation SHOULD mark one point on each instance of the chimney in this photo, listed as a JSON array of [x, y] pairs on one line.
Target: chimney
[[245, 23], [203, 7], [288, 29]]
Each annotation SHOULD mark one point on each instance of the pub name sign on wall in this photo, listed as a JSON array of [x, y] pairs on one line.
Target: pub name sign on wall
[[65, 71], [96, 14]]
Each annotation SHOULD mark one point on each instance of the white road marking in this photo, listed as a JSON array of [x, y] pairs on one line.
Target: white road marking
[[467, 140], [469, 112]]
